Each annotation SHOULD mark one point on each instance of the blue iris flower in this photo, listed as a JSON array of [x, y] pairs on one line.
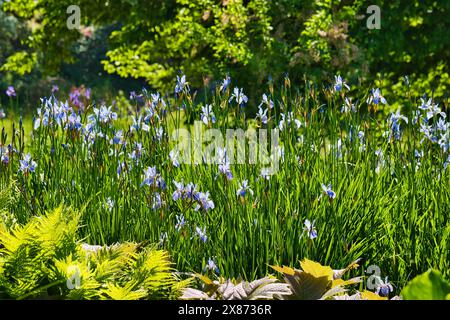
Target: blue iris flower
[[328, 191], [310, 229], [201, 233], [225, 84], [239, 96], [181, 84], [27, 164]]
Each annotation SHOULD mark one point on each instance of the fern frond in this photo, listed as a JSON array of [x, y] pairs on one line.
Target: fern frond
[[9, 195], [123, 293], [43, 258], [28, 251]]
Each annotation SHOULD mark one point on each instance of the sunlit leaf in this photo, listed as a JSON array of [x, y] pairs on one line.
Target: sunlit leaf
[[427, 286], [316, 269]]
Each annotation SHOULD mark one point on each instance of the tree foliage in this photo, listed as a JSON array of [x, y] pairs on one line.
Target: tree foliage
[[251, 40]]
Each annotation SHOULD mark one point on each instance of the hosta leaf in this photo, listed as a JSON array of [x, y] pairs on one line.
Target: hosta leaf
[[333, 292], [226, 290], [261, 289], [194, 294], [356, 296]]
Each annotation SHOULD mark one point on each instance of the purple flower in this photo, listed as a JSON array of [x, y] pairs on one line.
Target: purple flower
[[173, 156], [74, 122], [11, 92], [239, 96], [120, 167], [328, 191], [207, 115], [288, 118], [139, 125], [339, 83], [266, 101], [348, 105], [180, 222], [87, 93], [361, 136], [156, 201], [441, 125], [153, 178], [181, 84], [156, 100], [394, 122], [204, 202], [27, 164], [179, 192], [428, 132], [159, 134], [55, 88], [376, 97], [395, 117], [262, 114], [163, 237], [225, 169], [104, 114], [191, 191], [310, 229], [384, 287], [211, 266], [224, 163], [434, 110], [74, 98], [426, 104], [225, 84], [243, 188], [4, 158], [150, 175], [118, 138], [136, 154], [201, 233]]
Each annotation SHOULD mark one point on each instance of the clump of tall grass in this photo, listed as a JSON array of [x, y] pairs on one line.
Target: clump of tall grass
[[353, 181]]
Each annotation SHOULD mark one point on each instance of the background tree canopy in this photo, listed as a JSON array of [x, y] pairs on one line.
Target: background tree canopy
[[251, 40]]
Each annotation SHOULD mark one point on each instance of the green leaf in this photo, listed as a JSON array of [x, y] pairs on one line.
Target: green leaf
[[427, 286]]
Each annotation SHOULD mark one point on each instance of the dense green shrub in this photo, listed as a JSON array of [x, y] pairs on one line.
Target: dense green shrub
[[251, 40]]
